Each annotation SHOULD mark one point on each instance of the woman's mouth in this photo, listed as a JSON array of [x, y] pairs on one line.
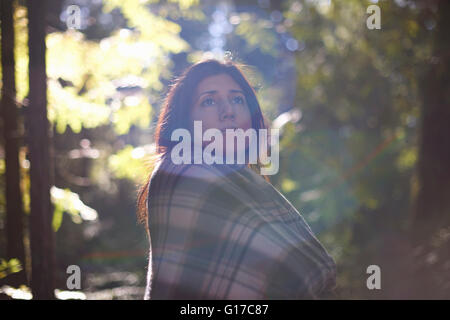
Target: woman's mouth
[[225, 129]]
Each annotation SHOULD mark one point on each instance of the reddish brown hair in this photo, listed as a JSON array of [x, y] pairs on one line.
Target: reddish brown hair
[[175, 114]]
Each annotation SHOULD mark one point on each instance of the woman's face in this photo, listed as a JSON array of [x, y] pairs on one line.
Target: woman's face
[[220, 103]]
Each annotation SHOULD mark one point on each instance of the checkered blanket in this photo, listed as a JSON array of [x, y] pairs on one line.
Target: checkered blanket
[[224, 232]]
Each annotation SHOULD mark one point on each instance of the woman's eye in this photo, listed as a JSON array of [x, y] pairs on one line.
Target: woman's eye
[[207, 102], [238, 100]]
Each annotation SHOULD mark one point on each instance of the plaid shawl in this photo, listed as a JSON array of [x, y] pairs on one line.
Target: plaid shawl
[[224, 232]]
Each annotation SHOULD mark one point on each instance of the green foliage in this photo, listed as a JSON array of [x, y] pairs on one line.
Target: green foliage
[[257, 32], [67, 108], [21, 51], [359, 100], [128, 163], [136, 111], [66, 201], [9, 266], [92, 67], [353, 156]]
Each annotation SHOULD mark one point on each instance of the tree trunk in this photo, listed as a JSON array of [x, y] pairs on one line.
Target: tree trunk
[[14, 209], [432, 207], [433, 199], [42, 237]]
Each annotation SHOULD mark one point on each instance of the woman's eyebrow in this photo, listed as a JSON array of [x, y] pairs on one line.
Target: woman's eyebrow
[[207, 92], [237, 91]]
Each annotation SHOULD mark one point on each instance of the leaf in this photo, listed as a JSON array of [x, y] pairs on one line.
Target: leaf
[[67, 201], [57, 218], [8, 267]]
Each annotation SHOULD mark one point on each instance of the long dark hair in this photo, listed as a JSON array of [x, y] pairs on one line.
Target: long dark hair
[[175, 114]]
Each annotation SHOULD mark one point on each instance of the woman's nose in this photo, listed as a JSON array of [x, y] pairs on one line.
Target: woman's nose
[[227, 111]]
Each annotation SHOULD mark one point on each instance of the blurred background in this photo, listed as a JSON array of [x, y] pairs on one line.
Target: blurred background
[[361, 97]]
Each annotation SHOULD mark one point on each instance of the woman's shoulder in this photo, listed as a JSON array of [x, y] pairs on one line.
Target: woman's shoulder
[[192, 186], [166, 171], [235, 179]]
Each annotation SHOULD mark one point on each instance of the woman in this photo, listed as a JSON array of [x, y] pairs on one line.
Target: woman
[[222, 231]]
